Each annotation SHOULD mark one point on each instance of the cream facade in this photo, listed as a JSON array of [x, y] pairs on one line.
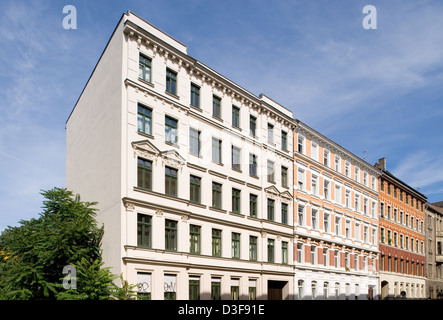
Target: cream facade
[[335, 220], [192, 173]]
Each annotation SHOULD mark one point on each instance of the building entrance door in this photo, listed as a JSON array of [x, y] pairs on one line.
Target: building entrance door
[[276, 289]]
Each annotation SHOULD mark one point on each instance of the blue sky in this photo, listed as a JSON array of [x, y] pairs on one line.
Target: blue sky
[[378, 93]]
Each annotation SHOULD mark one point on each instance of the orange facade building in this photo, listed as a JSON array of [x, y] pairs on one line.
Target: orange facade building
[[402, 237], [335, 220]]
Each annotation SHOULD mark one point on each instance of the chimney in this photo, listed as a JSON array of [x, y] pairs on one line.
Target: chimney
[[381, 163]]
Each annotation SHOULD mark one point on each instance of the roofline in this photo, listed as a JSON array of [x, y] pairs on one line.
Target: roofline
[[335, 144], [386, 172]]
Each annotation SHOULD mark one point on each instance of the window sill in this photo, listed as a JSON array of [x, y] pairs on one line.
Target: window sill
[[147, 135], [172, 95], [172, 144], [217, 118], [217, 209], [146, 82]]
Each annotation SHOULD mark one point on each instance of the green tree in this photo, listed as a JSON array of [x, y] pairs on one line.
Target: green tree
[[33, 255]]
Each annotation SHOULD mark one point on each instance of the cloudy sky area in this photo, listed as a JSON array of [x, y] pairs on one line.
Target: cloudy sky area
[[378, 93]]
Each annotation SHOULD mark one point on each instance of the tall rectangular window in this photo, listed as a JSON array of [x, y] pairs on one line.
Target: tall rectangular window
[[301, 144], [253, 165], [271, 209], [235, 200], [171, 181], [270, 133], [144, 68], [144, 230], [252, 248], [284, 213], [215, 289], [216, 150], [144, 173], [252, 289], [284, 252], [252, 125], [194, 288], [216, 242], [270, 250], [170, 130], [253, 205], [194, 141], [194, 239], [171, 81], [144, 119], [284, 177], [270, 171], [216, 107], [236, 116], [235, 245], [284, 140], [170, 287], [195, 95], [216, 195], [235, 158], [171, 235], [143, 286], [194, 189]]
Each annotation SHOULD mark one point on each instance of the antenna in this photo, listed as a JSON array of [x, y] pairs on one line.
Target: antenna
[[365, 152]]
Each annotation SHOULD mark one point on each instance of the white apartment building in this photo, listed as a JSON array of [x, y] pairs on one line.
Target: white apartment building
[[335, 220], [191, 172]]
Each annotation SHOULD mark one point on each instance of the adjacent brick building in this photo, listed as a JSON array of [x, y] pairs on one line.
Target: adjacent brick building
[[402, 237]]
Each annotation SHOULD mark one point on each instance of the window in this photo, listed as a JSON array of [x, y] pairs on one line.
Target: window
[[216, 150], [236, 116], [300, 289], [270, 169], [337, 225], [171, 181], [253, 165], [336, 258], [252, 125], [314, 151], [171, 81], [170, 235], [284, 177], [348, 229], [216, 195], [235, 200], [170, 130], [252, 248], [144, 68], [357, 174], [326, 184], [338, 194], [347, 168], [284, 140], [194, 288], [216, 107], [252, 289], [215, 289], [144, 119], [144, 230], [270, 133], [271, 209], [194, 189], [301, 179], [144, 173], [170, 287], [326, 157], [284, 252], [194, 239], [348, 199], [253, 205], [300, 215], [270, 250], [314, 185], [195, 95], [325, 290], [299, 252], [326, 222], [301, 144], [313, 255], [235, 289], [314, 218], [284, 213], [337, 164], [235, 158], [313, 289], [236, 245], [194, 141], [216, 242], [143, 286]]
